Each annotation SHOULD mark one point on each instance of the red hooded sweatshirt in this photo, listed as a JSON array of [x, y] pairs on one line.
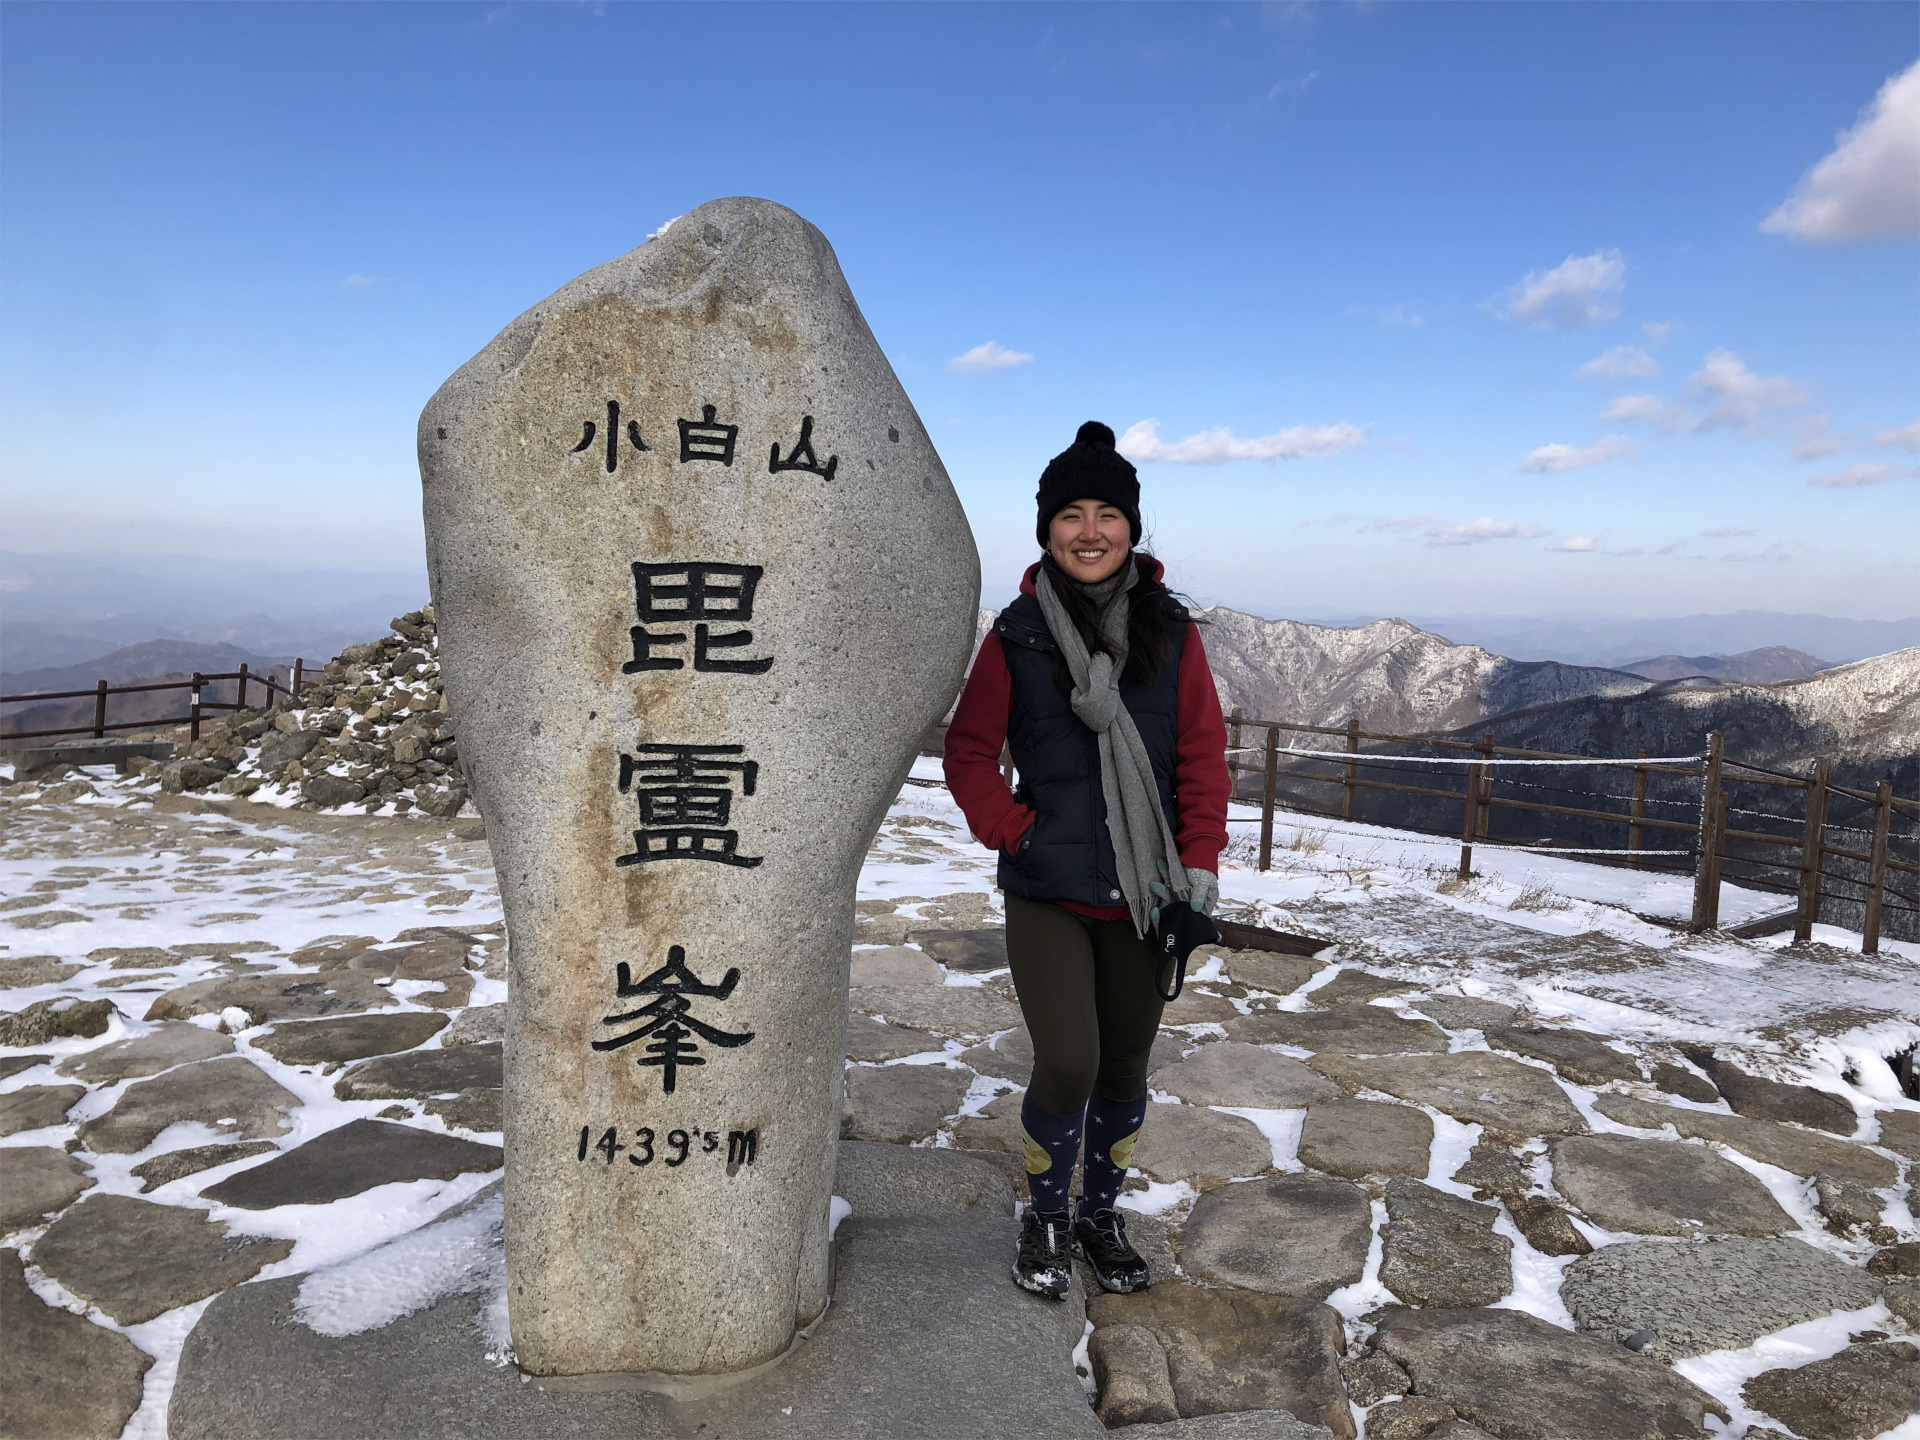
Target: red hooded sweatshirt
[[1201, 785]]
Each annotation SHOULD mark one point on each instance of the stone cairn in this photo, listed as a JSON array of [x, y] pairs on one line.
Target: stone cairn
[[371, 731], [702, 584]]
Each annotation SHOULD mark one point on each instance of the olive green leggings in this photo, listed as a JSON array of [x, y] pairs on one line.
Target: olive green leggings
[[1086, 989]]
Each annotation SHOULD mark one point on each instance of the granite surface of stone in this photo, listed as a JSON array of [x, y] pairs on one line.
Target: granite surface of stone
[[1582, 1057], [1900, 1132], [1266, 970], [1847, 1204], [231, 1089], [873, 1040], [1714, 1295], [1006, 1057], [477, 1025], [1472, 1085], [1342, 1030], [349, 1159], [1854, 1395], [173, 1165], [1441, 1250], [715, 400], [1231, 1425], [1518, 1377], [1759, 1098], [1358, 1138], [137, 1260], [34, 1107], [1229, 1073], [1231, 1350], [420, 1073], [37, 1181], [271, 997], [57, 1019], [1198, 1006], [892, 1182], [1285, 1235], [900, 1103], [1130, 1370], [173, 1043], [1663, 1187], [11, 1065], [1372, 1377], [1407, 1419], [1679, 1080], [349, 1037], [62, 1377], [1357, 987], [17, 972], [1187, 1142], [1465, 1012], [1801, 1152], [973, 951], [1547, 1226], [964, 1012], [927, 1339]]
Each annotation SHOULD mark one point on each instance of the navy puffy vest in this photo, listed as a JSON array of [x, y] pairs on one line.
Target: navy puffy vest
[[1067, 854]]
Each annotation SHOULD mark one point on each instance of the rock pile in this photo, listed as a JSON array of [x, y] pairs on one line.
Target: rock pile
[[372, 733]]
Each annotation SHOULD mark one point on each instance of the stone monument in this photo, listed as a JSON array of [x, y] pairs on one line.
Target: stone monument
[[702, 584]]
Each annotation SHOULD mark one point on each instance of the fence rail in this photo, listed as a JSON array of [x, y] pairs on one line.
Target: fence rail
[[1708, 826], [197, 703]]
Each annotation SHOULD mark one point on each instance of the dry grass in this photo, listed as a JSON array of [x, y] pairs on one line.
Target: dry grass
[[1534, 895]]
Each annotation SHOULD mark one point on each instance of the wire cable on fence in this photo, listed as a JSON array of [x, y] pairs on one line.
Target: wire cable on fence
[[1354, 755]]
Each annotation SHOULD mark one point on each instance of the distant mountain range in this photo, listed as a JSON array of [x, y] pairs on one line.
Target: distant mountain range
[[149, 663], [1754, 667]]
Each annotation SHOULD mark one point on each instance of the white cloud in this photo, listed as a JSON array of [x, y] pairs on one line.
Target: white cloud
[[1727, 532], [1142, 442], [984, 358], [1579, 543], [1620, 363], [1558, 459], [1723, 394], [1636, 407], [1579, 291], [1738, 399], [1869, 184], [665, 225], [1904, 437], [1658, 332], [1855, 476], [1475, 532], [1817, 438], [357, 282]]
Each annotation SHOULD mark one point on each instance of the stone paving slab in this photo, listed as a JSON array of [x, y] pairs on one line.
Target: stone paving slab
[[1663, 1187], [36, 1181], [1473, 1085], [349, 1037], [34, 1107], [900, 1103], [1358, 1138], [1289, 1235], [926, 1339], [1342, 1030], [175, 1043], [1520, 1378], [349, 1159], [1801, 1152], [1230, 1073], [209, 1091], [61, 1376], [1716, 1295]]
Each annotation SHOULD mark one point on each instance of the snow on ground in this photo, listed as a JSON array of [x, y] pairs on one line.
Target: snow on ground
[[233, 884]]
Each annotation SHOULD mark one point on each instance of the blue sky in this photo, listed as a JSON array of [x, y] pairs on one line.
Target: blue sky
[[241, 245]]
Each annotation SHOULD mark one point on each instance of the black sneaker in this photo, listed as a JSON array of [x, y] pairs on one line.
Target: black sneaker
[[1042, 1264], [1101, 1240]]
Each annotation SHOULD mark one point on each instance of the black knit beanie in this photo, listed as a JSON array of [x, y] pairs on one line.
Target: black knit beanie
[[1088, 469]]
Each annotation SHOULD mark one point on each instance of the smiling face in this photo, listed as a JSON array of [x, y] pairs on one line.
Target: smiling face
[[1090, 540]]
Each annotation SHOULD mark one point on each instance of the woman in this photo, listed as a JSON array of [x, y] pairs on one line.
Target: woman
[[1097, 681]]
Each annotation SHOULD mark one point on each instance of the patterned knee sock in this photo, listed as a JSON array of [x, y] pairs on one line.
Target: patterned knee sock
[[1112, 1128], [1051, 1143]]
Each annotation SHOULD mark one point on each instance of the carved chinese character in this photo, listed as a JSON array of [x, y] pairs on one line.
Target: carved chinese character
[[668, 1020], [801, 457], [589, 429], [701, 592], [685, 795], [705, 439]]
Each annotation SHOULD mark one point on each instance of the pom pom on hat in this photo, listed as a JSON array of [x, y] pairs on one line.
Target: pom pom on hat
[[1093, 433]]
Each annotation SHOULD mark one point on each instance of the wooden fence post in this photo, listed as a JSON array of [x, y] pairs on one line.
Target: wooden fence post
[[1706, 873], [100, 711], [298, 665], [240, 689], [1638, 809], [1472, 822], [1233, 755], [193, 710], [1813, 845], [1877, 868], [1353, 767], [1486, 787], [1266, 802]]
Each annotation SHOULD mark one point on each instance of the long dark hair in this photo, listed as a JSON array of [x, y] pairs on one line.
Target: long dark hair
[[1153, 621]]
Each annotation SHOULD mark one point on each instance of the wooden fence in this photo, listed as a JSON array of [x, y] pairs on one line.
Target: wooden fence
[[1709, 829], [197, 702]]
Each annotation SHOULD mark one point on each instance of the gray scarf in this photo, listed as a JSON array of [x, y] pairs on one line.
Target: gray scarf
[[1143, 843]]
